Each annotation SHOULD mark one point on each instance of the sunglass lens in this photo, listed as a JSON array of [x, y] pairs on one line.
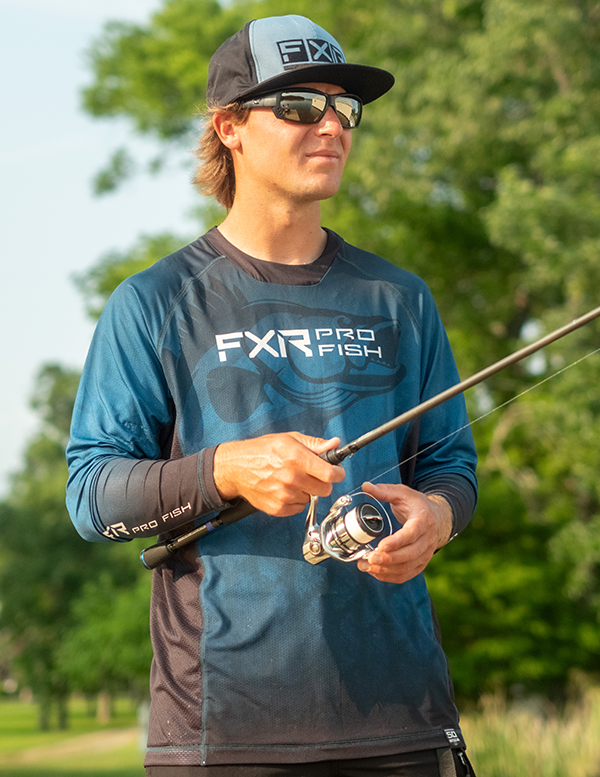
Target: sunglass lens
[[302, 107], [310, 107], [348, 110]]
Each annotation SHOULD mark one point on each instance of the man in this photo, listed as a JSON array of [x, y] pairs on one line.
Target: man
[[222, 373]]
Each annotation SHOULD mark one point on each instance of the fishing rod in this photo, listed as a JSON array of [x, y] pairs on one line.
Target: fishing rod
[[157, 554]]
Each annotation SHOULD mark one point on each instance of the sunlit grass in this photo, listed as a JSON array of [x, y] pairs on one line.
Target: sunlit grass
[[25, 751], [119, 762], [18, 723], [529, 740], [505, 740]]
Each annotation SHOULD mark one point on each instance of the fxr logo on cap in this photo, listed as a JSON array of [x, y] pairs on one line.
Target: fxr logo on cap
[[294, 52]]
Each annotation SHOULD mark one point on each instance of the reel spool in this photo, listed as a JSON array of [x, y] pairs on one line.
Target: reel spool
[[343, 535]]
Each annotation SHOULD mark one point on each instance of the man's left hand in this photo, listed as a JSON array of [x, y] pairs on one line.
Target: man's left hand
[[426, 527]]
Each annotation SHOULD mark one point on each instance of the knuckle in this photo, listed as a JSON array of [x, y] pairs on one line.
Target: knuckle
[[323, 489]]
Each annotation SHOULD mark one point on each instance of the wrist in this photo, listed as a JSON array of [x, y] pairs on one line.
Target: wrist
[[444, 519], [223, 469]]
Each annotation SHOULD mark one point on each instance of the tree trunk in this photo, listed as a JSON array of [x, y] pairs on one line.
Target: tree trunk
[[103, 710], [63, 712], [45, 707]]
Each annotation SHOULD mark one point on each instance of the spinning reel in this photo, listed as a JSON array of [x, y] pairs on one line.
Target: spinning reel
[[343, 535]]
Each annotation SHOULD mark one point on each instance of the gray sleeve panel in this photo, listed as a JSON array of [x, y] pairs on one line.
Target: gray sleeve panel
[[143, 498], [460, 493]]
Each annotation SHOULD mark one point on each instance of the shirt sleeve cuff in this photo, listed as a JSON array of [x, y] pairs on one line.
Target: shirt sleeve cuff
[[461, 495], [210, 495]]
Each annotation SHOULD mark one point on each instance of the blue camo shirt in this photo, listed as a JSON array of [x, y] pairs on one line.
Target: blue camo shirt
[[258, 655]]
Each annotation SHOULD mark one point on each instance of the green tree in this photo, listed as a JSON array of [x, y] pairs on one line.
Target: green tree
[[480, 172], [43, 563], [107, 648], [51, 580], [99, 282]]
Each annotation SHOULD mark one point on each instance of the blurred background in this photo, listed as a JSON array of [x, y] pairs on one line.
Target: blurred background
[[479, 171], [53, 225]]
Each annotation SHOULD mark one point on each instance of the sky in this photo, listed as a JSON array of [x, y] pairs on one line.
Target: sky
[[52, 226]]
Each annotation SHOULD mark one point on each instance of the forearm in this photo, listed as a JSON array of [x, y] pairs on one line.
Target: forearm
[[122, 498]]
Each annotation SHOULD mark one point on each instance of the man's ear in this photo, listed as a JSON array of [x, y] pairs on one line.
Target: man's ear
[[227, 130]]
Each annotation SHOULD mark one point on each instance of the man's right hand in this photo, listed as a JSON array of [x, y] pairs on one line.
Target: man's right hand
[[276, 473]]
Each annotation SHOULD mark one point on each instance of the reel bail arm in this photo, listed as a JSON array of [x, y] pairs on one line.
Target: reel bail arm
[[343, 535]]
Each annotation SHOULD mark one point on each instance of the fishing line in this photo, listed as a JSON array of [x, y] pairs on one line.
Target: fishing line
[[476, 420]]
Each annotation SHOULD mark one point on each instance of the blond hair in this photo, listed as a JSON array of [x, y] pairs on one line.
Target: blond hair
[[214, 174]]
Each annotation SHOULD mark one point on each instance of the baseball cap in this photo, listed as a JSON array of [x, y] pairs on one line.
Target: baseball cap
[[279, 51]]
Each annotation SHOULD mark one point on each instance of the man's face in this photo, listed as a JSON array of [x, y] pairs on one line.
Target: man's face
[[283, 159]]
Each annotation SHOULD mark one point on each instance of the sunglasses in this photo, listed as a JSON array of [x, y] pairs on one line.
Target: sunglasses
[[308, 106]]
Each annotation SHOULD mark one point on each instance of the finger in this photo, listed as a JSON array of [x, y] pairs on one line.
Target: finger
[[317, 444], [317, 487], [405, 502], [388, 558], [393, 568], [395, 576], [409, 533], [389, 574], [290, 509], [317, 467]]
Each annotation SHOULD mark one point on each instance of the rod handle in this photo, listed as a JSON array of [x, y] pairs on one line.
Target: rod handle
[[156, 555]]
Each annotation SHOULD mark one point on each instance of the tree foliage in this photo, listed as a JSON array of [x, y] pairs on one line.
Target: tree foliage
[[99, 282], [42, 562], [47, 572], [108, 649]]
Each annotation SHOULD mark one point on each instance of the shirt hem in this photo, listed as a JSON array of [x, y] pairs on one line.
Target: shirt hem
[[209, 755]]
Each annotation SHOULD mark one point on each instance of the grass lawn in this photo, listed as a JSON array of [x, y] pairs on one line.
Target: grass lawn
[[504, 740], [86, 749]]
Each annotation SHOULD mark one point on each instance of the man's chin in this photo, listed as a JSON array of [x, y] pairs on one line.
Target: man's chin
[[324, 190]]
